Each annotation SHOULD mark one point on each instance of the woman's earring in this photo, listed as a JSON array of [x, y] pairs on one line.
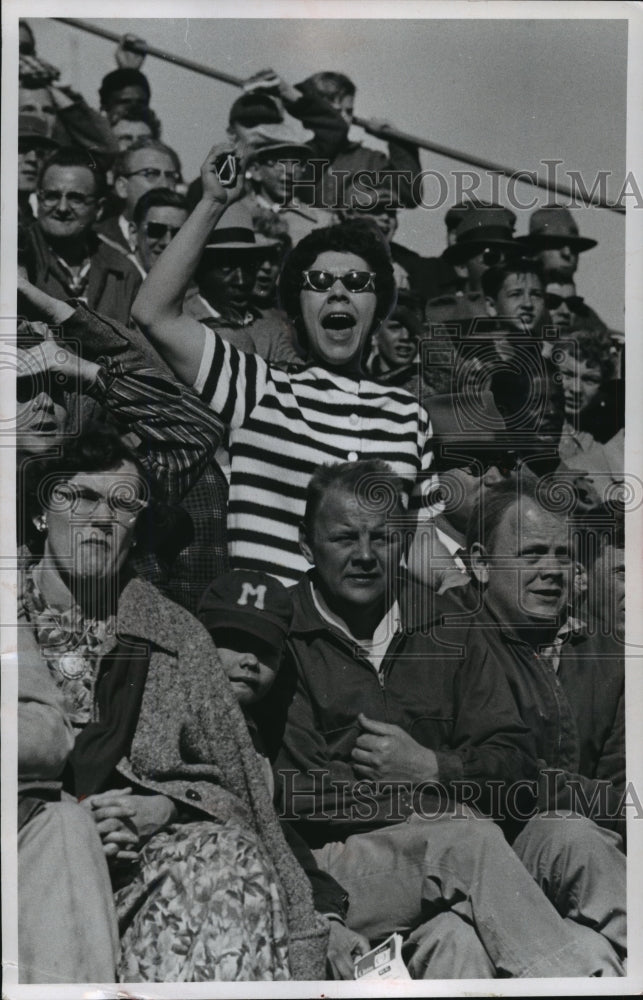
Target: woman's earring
[[41, 523]]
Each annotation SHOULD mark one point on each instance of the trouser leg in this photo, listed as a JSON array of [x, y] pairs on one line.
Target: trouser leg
[[447, 947], [401, 875], [67, 929], [582, 869]]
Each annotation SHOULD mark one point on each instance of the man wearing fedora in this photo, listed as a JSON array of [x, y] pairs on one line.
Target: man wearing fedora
[[556, 242], [481, 236], [34, 143], [225, 279]]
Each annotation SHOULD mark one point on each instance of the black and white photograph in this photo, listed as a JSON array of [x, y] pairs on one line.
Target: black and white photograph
[[322, 480]]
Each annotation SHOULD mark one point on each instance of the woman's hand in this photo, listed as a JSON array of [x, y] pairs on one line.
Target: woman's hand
[[344, 946], [213, 190]]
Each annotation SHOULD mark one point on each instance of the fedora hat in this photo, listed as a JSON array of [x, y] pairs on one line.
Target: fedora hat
[[554, 226], [234, 231], [482, 227]]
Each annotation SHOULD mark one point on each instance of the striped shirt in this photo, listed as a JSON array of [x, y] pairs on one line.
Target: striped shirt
[[281, 426]]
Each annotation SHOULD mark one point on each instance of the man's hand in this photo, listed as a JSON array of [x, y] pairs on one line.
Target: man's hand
[[213, 190], [35, 72], [377, 126], [113, 815], [383, 750], [344, 946], [124, 819], [131, 52], [271, 83]]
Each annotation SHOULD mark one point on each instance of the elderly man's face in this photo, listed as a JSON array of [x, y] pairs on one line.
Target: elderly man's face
[[527, 565], [354, 551], [67, 202]]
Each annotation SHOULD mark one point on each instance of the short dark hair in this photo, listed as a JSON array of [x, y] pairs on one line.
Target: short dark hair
[[594, 347], [122, 161], [158, 198], [118, 79], [332, 86], [74, 156], [357, 238], [371, 480], [495, 277]]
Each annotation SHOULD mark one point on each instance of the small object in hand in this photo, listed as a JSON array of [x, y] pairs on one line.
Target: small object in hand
[[227, 168]]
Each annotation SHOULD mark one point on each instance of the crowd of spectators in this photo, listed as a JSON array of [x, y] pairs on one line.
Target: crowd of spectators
[[321, 553]]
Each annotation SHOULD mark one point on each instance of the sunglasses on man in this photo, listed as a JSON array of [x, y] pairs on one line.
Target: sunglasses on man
[[573, 302], [158, 230]]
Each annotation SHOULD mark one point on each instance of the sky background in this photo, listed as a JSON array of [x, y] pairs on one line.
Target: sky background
[[512, 91]]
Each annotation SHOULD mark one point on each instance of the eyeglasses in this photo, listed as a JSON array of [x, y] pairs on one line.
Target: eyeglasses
[[29, 387], [353, 281], [154, 174], [157, 230], [573, 302], [73, 198], [83, 501]]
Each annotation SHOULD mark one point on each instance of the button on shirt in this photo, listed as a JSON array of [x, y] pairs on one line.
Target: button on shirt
[[282, 425]]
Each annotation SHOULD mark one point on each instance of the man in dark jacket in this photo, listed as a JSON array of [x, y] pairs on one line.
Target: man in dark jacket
[[570, 695], [66, 258], [387, 726]]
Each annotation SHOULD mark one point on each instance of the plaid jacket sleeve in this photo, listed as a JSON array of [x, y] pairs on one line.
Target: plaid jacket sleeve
[[175, 434]]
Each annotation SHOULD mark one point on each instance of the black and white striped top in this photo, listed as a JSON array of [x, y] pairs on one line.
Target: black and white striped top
[[282, 424]]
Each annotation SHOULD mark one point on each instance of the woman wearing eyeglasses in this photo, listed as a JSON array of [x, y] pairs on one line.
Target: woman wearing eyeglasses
[[205, 887], [336, 286]]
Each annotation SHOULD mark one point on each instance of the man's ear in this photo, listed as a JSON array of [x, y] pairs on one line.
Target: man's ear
[[580, 580], [120, 187], [100, 208], [306, 550], [479, 562], [491, 306]]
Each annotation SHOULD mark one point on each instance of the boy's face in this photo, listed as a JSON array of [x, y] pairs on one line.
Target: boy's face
[[250, 663]]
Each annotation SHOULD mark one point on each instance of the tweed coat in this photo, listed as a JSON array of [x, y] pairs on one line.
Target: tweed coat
[[192, 744]]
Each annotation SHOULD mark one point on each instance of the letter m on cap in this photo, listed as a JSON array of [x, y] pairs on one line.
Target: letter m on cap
[[256, 595]]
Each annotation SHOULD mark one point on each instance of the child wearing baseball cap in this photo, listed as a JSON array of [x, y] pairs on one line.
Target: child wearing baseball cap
[[248, 614]]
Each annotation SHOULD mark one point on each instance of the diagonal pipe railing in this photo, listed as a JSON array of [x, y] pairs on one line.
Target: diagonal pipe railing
[[385, 133]]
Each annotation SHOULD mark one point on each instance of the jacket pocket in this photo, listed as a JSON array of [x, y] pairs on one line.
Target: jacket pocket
[[340, 742], [432, 731]]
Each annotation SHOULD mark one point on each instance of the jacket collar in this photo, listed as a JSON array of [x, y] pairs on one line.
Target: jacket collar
[[141, 614]]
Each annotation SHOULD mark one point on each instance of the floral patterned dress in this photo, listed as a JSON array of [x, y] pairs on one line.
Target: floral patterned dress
[[203, 901]]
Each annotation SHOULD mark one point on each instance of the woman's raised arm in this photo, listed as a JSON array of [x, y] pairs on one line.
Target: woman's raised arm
[[158, 308]]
